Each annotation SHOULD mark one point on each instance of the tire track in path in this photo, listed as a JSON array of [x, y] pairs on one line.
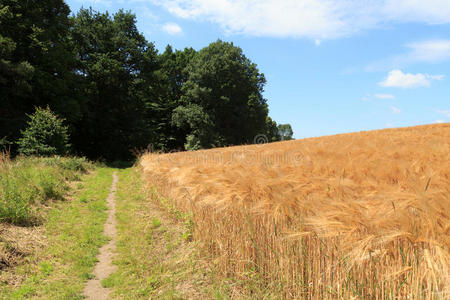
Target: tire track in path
[[93, 289]]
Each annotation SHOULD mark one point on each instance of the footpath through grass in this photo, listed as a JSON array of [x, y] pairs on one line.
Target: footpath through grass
[[156, 258], [65, 245]]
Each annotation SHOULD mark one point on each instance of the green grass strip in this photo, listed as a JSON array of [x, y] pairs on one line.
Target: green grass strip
[[75, 232]]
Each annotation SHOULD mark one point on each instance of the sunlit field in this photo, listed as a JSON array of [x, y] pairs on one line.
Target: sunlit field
[[363, 215]]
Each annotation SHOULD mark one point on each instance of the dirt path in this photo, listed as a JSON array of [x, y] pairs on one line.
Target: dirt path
[[93, 289]]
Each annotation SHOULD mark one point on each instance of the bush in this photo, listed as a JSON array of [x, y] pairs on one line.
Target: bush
[[45, 135]]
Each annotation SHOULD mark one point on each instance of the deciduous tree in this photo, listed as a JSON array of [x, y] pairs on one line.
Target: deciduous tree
[[116, 63], [228, 87]]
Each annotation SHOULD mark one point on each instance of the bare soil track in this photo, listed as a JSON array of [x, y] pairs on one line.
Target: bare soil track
[[104, 268]]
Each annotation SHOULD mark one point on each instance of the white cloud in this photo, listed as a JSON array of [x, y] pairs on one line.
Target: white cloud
[[435, 77], [427, 51], [444, 112], [395, 110], [147, 13], [396, 78], [315, 19], [439, 121], [429, 11], [172, 28], [384, 96], [308, 18], [101, 2], [369, 97]]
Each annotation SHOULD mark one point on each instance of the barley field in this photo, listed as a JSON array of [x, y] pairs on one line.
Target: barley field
[[362, 215]]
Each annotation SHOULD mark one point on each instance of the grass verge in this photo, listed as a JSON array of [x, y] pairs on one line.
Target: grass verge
[[70, 238], [28, 183], [156, 258]]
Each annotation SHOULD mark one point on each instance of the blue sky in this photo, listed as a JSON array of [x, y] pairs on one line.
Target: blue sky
[[332, 66]]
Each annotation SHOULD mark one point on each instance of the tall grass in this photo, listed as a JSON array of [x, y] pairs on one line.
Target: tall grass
[[363, 215], [28, 182]]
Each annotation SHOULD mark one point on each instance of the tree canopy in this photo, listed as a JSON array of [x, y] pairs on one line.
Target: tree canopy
[[36, 65], [285, 132], [113, 63], [116, 92], [225, 88]]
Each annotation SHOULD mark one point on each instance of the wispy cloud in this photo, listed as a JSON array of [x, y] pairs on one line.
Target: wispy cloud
[[106, 3], [148, 13], [384, 96], [172, 28], [428, 51], [395, 110], [444, 112], [396, 78], [369, 97], [315, 19]]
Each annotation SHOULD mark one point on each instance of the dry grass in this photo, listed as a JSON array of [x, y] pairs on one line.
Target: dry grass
[[16, 245], [364, 215]]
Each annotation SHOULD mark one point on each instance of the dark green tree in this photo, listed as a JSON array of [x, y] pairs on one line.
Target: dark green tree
[[285, 132], [202, 133], [116, 63], [170, 76], [272, 132], [36, 63], [228, 87], [45, 135]]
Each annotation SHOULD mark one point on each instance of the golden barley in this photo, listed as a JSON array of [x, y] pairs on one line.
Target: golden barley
[[363, 215]]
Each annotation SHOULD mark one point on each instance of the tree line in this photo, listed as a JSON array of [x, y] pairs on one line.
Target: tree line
[[116, 92]]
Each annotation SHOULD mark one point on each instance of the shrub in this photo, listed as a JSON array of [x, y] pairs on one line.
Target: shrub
[[45, 135]]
